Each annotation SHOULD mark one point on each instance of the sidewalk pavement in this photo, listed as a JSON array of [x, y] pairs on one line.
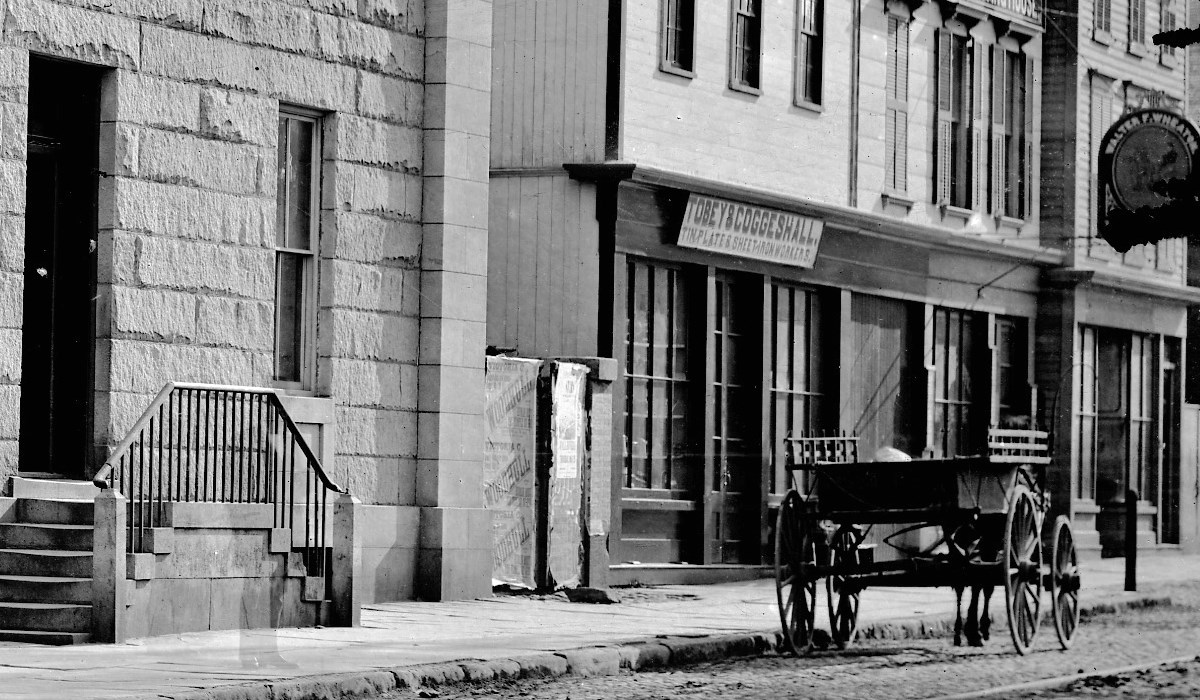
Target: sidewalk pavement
[[409, 644]]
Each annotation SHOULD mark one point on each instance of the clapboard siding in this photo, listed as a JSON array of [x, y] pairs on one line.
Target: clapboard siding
[[700, 127], [1085, 93], [543, 286], [548, 82]]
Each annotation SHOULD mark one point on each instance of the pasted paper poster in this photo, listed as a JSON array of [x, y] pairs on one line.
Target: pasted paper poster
[[510, 457], [565, 533]]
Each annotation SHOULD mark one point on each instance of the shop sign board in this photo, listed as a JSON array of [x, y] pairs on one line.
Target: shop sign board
[[1146, 162], [749, 231], [1028, 10]]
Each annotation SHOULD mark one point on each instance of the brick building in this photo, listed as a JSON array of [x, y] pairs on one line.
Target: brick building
[[649, 164], [268, 194], [1119, 320]]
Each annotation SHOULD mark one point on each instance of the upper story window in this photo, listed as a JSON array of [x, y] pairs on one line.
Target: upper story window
[[1011, 134], [896, 123], [678, 37], [954, 91], [1167, 21], [1137, 25], [809, 20], [1102, 18], [746, 53], [296, 229]]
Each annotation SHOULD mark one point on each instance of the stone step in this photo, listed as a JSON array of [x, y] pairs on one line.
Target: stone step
[[60, 510], [47, 617], [46, 536], [45, 589], [52, 486], [40, 637], [45, 562]]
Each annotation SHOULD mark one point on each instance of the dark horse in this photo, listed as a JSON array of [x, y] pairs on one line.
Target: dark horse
[[971, 547]]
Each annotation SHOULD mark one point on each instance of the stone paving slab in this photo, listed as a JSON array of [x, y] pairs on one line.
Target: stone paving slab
[[403, 641]]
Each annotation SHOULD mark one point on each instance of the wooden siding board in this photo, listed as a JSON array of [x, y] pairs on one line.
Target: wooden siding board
[[498, 241], [528, 263]]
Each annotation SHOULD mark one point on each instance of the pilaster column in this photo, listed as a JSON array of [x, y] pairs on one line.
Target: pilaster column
[[455, 542]]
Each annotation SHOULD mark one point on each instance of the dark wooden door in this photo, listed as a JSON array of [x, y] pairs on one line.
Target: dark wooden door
[[60, 283]]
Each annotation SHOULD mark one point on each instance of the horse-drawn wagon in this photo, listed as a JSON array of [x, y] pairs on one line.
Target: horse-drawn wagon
[[967, 522]]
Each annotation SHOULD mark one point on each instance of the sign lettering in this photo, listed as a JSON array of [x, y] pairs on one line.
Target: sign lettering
[[744, 230]]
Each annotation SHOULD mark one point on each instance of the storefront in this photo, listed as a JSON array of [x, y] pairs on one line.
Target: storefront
[[738, 317]]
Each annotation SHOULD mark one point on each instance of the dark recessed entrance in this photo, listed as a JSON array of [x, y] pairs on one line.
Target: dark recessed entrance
[[57, 363]]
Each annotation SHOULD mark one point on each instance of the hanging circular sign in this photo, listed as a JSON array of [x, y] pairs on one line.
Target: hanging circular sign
[[1144, 152]]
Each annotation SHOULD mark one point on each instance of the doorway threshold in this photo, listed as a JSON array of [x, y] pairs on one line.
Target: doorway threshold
[[658, 574]]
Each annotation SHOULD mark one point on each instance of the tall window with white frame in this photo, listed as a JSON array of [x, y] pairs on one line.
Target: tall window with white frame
[[954, 90], [1102, 17], [1087, 414], [896, 124], [810, 15], [1137, 23], [1167, 21], [1010, 152], [678, 31], [746, 40], [955, 363], [296, 230], [798, 373]]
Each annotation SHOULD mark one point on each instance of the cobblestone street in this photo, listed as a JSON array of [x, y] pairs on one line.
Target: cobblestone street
[[915, 668]]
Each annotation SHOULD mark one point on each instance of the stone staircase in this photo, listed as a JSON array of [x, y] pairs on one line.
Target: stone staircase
[[46, 561]]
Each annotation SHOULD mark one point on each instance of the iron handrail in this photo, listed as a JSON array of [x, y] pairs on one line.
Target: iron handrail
[[210, 443], [101, 479]]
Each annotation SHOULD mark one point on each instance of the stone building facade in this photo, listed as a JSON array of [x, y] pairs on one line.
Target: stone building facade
[[265, 194]]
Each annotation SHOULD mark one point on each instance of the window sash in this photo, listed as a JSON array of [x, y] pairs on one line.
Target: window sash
[[656, 378], [747, 38], [896, 124], [797, 389], [1167, 22], [809, 18], [954, 367], [1137, 21], [678, 20], [1103, 15], [1087, 412], [297, 227]]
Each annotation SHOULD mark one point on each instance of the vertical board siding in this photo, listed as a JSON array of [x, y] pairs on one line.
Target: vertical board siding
[[548, 78], [543, 246]]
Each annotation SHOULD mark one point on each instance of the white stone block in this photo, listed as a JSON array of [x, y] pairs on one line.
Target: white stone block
[[217, 165], [152, 101], [373, 336], [237, 116], [70, 32], [377, 143], [153, 313], [370, 238]]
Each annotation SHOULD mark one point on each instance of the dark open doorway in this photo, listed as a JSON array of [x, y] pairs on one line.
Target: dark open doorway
[[58, 340]]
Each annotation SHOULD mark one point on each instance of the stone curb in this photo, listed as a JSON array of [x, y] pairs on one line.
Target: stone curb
[[652, 653]]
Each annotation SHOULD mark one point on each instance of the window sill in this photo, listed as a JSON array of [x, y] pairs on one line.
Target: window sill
[[1168, 60], [745, 89], [1138, 50], [898, 199], [676, 70], [1101, 36], [809, 106], [950, 211], [1009, 223]]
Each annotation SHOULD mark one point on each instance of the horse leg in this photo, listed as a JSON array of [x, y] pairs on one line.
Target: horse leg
[[972, 626], [985, 622], [958, 621]]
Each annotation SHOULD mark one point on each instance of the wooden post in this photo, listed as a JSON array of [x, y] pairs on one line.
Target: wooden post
[[108, 568], [347, 561], [1131, 500]]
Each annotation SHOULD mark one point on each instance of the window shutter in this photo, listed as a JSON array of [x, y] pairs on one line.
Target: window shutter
[[999, 61], [979, 96], [944, 135], [1028, 177], [1101, 120]]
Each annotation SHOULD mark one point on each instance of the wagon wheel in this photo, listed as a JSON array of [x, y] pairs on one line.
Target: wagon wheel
[[795, 582], [1022, 569], [1064, 582], [843, 596]]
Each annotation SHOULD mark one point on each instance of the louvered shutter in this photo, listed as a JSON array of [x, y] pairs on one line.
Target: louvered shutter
[[999, 119], [944, 133], [896, 121], [979, 113], [1101, 120], [1028, 177]]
